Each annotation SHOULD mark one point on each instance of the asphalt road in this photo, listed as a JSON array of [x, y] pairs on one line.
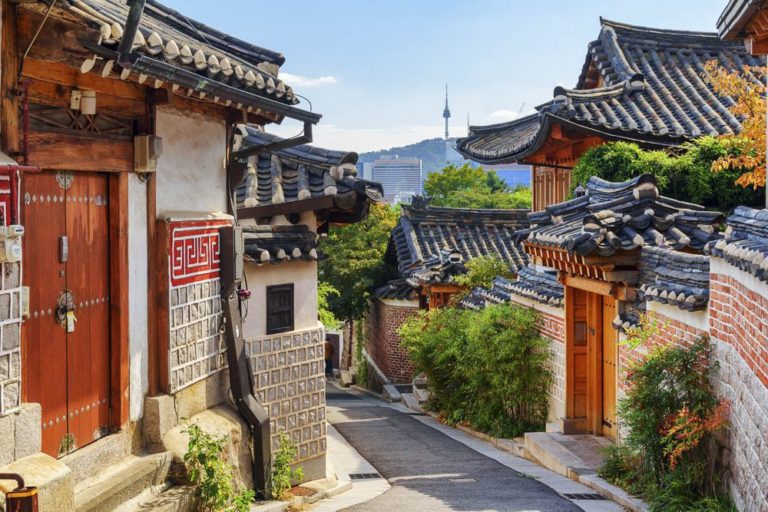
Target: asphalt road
[[429, 471]]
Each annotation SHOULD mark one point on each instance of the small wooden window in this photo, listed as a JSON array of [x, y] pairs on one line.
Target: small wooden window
[[279, 308]]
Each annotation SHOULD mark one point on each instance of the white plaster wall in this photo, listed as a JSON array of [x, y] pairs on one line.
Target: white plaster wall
[[137, 295], [696, 319], [190, 173], [303, 275]]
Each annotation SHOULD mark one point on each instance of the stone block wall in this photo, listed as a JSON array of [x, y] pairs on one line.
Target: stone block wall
[[739, 333], [10, 338], [385, 318], [196, 348], [289, 379]]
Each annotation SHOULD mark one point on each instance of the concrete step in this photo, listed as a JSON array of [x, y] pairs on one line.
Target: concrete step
[[181, 498], [391, 393], [421, 394], [122, 482], [103, 453], [410, 400]]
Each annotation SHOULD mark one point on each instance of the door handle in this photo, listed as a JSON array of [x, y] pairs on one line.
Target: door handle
[[63, 249]]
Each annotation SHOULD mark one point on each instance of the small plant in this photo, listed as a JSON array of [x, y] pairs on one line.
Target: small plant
[[646, 330], [209, 472], [361, 378], [282, 474]]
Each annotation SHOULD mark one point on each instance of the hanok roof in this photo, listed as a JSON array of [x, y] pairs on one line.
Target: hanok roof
[[299, 173], [673, 277], [736, 17], [623, 216], [278, 244], [637, 83], [169, 46], [429, 238], [542, 287], [397, 289], [745, 245]]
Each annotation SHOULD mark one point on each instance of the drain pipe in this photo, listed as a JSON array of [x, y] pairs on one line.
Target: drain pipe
[[129, 34]]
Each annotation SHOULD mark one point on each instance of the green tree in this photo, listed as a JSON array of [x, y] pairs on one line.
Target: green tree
[[473, 187], [683, 173], [353, 261], [324, 292], [481, 271]]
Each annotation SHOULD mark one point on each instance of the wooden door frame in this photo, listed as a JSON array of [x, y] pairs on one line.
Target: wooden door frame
[[592, 423]]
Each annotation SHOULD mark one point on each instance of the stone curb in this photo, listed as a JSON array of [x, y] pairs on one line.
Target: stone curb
[[299, 501]]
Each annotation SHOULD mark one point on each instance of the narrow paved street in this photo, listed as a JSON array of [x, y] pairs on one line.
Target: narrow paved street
[[428, 470]]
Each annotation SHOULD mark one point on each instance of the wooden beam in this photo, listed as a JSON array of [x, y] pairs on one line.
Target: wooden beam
[[57, 73], [589, 285], [118, 304], [56, 151], [270, 210], [162, 307], [9, 102]]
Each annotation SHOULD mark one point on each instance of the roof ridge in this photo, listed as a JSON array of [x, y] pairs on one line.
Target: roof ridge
[[654, 30]]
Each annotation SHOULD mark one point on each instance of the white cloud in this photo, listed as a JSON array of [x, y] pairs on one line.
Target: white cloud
[[305, 81], [365, 139], [501, 115]]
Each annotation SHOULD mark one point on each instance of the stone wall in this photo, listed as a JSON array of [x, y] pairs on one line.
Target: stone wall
[[385, 318], [289, 379], [195, 342], [10, 341], [739, 333]]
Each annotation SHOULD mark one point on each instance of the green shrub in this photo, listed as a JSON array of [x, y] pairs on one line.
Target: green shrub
[[282, 474], [670, 412], [210, 473], [683, 173], [489, 369], [481, 271]]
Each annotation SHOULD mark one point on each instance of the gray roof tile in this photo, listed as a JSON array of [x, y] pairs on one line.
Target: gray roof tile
[[745, 245]]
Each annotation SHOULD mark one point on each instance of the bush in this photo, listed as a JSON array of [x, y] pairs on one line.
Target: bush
[[481, 271], [282, 474], [210, 473], [683, 173], [489, 369], [670, 412]]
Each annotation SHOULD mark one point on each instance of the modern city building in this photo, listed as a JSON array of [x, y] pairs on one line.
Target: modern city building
[[400, 177]]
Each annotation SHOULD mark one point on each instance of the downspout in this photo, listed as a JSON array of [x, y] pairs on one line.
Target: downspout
[[232, 297], [129, 34]]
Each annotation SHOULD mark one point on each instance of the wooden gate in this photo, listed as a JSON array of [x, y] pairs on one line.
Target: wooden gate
[[609, 426], [66, 337]]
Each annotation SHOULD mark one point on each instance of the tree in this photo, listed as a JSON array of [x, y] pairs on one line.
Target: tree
[[324, 292], [481, 271], [683, 173], [353, 261], [473, 187], [747, 88]]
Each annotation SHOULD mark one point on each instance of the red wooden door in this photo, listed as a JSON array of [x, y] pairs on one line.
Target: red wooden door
[[67, 366]]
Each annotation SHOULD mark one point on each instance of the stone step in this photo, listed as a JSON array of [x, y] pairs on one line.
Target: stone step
[[391, 393], [421, 394], [182, 498], [103, 453], [410, 400], [122, 482]]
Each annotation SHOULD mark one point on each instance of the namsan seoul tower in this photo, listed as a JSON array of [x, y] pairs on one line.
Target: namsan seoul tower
[[446, 112]]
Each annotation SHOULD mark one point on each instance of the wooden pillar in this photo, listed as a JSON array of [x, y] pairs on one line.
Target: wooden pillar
[[9, 100], [119, 305]]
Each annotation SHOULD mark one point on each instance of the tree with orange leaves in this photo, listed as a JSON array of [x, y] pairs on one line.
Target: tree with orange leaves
[[747, 89]]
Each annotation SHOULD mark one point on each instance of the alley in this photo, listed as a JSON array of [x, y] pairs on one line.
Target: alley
[[428, 470]]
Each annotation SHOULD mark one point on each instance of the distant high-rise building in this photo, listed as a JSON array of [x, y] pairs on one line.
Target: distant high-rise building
[[514, 175], [400, 177]]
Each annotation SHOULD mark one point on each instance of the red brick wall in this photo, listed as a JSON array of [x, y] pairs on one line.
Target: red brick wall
[[384, 343], [739, 317]]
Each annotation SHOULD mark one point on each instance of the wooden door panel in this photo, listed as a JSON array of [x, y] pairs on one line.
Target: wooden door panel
[[88, 280], [609, 424], [44, 343], [579, 347]]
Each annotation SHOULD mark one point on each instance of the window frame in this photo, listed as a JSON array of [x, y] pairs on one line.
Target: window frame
[[272, 329]]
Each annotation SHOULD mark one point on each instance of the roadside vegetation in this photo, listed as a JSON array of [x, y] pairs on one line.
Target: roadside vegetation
[[671, 419], [486, 369], [473, 187]]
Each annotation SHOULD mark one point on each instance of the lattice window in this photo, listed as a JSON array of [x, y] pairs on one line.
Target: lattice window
[[279, 308]]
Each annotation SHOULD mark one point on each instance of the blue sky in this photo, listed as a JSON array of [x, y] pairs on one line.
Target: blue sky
[[376, 69]]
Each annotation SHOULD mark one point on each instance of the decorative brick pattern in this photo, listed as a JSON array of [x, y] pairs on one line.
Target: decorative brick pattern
[[289, 379], [10, 336], [196, 343], [384, 343]]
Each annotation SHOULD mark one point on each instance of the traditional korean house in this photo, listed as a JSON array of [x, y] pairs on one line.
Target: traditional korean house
[[638, 84], [127, 129], [429, 247], [622, 250]]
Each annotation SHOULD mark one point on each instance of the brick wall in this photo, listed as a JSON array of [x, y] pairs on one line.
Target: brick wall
[[10, 347], [384, 345], [739, 333], [289, 378]]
